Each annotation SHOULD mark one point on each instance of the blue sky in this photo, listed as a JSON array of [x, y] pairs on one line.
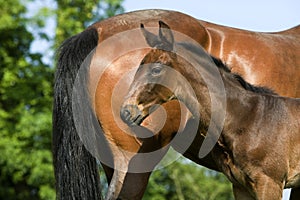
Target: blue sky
[[259, 15]]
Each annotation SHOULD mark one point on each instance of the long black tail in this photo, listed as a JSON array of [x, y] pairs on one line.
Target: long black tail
[[76, 171]]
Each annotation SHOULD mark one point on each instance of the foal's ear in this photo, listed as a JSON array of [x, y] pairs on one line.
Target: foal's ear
[[166, 35], [151, 39], [165, 39]]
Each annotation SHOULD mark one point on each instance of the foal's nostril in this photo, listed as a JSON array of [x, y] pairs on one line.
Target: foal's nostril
[[129, 114], [125, 114]]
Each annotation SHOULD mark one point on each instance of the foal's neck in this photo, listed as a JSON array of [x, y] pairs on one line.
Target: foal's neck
[[240, 105], [209, 81], [246, 107]]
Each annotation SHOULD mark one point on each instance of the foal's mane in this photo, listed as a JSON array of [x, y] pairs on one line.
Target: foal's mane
[[257, 89], [223, 67]]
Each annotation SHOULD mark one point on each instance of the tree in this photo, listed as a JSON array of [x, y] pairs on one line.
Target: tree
[[183, 180], [25, 111], [73, 16], [26, 82]]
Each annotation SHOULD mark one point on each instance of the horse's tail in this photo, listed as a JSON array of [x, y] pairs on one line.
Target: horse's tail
[[76, 171]]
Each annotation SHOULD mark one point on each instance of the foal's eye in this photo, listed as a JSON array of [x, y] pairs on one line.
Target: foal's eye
[[156, 70]]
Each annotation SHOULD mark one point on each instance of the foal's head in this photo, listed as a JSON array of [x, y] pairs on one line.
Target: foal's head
[[156, 78]]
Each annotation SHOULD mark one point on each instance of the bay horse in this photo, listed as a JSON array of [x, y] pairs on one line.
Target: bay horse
[[258, 148], [269, 59]]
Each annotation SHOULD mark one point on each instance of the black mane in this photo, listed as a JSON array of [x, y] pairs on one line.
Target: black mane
[[257, 89]]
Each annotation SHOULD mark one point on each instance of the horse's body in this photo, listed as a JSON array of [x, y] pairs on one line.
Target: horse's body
[[236, 47], [259, 146], [242, 50]]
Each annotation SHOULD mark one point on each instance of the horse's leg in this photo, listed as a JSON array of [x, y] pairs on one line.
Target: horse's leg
[[134, 186], [131, 175], [132, 170], [142, 164], [108, 172], [119, 173], [130, 185], [131, 181], [140, 167], [241, 193], [295, 194]]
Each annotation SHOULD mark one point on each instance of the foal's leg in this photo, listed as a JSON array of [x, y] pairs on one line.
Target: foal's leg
[[241, 193]]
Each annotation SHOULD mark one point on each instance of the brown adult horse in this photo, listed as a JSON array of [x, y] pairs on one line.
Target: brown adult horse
[[259, 144], [262, 58]]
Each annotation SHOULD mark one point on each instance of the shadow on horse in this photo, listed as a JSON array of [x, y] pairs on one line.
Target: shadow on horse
[[269, 59]]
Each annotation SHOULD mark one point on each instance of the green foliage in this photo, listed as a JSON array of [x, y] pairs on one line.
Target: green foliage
[[25, 111], [26, 83], [75, 15], [184, 180]]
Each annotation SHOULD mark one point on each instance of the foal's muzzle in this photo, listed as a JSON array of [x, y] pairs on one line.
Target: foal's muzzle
[[131, 115]]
